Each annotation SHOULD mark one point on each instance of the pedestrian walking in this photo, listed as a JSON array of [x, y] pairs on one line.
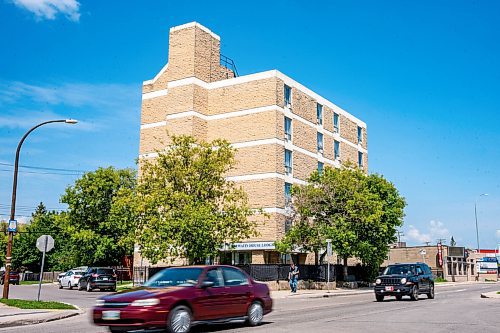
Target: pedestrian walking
[[293, 277]]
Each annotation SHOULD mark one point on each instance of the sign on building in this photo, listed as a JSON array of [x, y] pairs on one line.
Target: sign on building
[[487, 265], [456, 251]]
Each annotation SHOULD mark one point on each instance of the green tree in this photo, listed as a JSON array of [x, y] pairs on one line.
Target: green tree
[[24, 251], [359, 213], [186, 206], [99, 222]]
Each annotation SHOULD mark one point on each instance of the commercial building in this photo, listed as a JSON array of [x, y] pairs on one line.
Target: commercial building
[[282, 130], [450, 263]]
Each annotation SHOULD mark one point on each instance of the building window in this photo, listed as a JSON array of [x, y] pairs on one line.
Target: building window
[[320, 142], [360, 159], [288, 161], [360, 134], [288, 95], [288, 129], [336, 149], [319, 114], [335, 122], [242, 258], [320, 167], [288, 191]]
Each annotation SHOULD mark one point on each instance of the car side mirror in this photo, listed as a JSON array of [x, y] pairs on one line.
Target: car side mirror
[[207, 284]]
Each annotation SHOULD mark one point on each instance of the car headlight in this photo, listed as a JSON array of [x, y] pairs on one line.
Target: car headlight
[[378, 281], [403, 280], [146, 302], [99, 302]]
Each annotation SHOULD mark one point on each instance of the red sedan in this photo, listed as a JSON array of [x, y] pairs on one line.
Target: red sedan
[[178, 298]]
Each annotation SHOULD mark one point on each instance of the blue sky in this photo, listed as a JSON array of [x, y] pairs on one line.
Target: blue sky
[[423, 75]]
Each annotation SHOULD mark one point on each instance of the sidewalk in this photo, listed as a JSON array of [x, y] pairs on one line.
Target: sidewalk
[[11, 316], [305, 293]]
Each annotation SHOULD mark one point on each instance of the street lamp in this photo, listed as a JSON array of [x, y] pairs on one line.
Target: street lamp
[[8, 256], [475, 214]]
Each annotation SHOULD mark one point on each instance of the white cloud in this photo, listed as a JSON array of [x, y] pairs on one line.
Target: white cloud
[[94, 105], [436, 230], [48, 9]]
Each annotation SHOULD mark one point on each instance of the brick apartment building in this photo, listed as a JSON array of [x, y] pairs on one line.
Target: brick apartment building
[[282, 130]]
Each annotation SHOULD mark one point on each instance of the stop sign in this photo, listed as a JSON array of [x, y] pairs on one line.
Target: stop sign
[[45, 243]]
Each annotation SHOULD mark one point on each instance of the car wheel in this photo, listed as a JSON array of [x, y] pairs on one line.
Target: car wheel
[[89, 288], [430, 294], [414, 293], [179, 320], [60, 285], [399, 297], [70, 286], [80, 288], [255, 314], [379, 298]]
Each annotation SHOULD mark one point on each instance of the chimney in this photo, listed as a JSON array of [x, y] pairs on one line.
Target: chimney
[[194, 51]]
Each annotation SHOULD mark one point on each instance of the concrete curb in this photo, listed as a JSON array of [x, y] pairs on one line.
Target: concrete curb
[[40, 319], [492, 294]]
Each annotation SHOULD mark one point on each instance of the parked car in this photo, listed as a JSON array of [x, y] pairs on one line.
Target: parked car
[[60, 276], [102, 278], [410, 279], [71, 279], [181, 297], [14, 277]]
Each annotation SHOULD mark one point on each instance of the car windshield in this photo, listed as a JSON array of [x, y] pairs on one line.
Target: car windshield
[[171, 277], [79, 273], [400, 270], [105, 271]]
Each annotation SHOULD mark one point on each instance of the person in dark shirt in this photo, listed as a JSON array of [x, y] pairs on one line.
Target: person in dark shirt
[[293, 277]]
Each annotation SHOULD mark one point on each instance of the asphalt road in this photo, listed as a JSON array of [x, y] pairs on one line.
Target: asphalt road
[[455, 309]]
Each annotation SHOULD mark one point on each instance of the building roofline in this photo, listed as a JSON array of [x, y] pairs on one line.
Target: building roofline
[[260, 76], [194, 24]]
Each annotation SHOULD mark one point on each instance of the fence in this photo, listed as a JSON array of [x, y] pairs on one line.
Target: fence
[[278, 272]]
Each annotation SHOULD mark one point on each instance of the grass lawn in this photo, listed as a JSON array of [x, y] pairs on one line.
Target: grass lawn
[[24, 304], [33, 282], [118, 283], [498, 292], [440, 280]]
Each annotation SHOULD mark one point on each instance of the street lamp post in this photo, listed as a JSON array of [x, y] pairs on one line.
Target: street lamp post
[[8, 256], [475, 214]]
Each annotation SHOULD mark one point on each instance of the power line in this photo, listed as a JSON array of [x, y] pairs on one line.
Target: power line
[[43, 168], [45, 173]]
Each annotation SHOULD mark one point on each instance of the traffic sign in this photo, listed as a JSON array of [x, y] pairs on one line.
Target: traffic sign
[[12, 226], [45, 243], [329, 247]]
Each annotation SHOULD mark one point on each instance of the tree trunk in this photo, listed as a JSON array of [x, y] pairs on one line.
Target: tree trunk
[[316, 257], [345, 268]]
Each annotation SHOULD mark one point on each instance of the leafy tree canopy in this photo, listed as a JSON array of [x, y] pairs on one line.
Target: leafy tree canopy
[[186, 206], [100, 220], [359, 213]]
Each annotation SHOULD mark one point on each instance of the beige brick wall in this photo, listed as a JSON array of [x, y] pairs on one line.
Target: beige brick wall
[[261, 193], [257, 159], [267, 226], [303, 105], [242, 96], [304, 136], [152, 139], [178, 99], [303, 165], [251, 127]]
